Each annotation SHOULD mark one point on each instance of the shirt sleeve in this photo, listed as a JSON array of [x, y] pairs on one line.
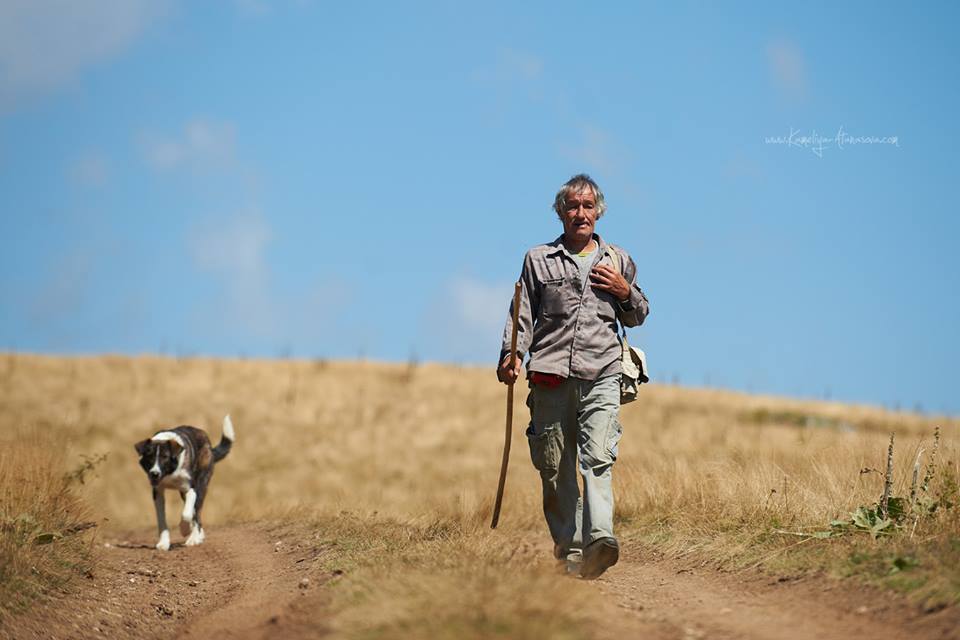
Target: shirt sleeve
[[529, 305], [635, 309]]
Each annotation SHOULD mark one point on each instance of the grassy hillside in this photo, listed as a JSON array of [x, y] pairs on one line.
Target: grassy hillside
[[409, 455]]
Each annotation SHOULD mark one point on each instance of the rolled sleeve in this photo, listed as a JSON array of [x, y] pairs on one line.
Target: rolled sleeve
[[529, 304]]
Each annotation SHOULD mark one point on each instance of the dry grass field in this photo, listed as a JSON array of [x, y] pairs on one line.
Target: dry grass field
[[387, 472]]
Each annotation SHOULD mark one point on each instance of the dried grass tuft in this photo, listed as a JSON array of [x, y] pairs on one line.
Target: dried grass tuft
[[42, 521]]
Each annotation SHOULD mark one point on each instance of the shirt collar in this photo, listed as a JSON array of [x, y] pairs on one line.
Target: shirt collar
[[559, 248]]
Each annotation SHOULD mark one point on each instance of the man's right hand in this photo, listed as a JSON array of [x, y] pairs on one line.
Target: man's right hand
[[508, 374]]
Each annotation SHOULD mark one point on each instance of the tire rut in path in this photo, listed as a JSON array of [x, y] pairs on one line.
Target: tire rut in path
[[670, 599], [238, 584], [254, 591]]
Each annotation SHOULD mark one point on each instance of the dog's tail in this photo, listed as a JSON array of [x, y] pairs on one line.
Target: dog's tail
[[226, 440]]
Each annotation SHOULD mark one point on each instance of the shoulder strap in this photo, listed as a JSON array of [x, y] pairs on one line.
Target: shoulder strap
[[614, 258]]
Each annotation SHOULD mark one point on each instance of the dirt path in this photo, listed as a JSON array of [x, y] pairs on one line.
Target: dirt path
[[668, 599], [239, 584], [246, 583]]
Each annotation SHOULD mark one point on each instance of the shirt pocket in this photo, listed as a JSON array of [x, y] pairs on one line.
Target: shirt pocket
[[553, 297]]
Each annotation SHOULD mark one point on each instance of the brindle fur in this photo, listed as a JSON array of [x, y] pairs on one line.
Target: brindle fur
[[181, 469], [205, 458]]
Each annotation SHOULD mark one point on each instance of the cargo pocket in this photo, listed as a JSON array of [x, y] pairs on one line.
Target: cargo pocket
[[545, 448], [614, 433]]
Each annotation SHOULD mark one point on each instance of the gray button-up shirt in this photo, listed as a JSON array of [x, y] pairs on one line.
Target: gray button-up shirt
[[569, 329]]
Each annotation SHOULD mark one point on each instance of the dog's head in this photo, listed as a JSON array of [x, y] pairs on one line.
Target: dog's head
[[158, 458]]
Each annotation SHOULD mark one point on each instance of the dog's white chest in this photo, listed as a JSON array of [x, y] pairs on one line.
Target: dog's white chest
[[179, 480]]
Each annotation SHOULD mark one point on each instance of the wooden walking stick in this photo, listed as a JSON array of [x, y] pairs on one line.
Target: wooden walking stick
[[507, 437]]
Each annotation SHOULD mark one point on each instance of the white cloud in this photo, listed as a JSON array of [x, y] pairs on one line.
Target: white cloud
[[92, 169], [742, 166], [249, 303], [788, 68], [201, 145], [510, 66], [64, 290], [478, 306], [512, 79], [44, 44], [265, 7], [519, 64], [253, 6], [235, 246], [597, 151], [234, 251], [464, 321]]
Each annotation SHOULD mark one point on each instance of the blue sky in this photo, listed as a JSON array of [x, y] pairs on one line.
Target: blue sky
[[320, 180]]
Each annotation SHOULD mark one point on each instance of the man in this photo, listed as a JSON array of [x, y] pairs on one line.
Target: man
[[574, 291]]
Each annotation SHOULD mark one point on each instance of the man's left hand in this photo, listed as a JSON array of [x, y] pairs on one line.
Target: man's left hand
[[610, 280]]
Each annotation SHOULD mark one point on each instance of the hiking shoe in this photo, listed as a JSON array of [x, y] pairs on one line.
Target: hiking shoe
[[598, 556], [573, 562], [569, 559]]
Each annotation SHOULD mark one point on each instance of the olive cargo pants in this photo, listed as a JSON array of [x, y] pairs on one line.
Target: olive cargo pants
[[576, 424]]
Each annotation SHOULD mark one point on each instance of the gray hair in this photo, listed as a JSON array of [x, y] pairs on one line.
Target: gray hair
[[576, 184]]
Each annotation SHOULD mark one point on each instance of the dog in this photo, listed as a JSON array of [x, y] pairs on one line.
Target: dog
[[182, 459]]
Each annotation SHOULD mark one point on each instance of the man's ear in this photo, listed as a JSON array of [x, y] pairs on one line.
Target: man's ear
[[142, 446]]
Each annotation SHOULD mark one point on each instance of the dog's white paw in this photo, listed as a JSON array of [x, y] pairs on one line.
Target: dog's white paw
[[196, 537], [184, 527], [164, 543]]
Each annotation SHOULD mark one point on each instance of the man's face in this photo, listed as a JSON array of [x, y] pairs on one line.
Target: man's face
[[579, 216]]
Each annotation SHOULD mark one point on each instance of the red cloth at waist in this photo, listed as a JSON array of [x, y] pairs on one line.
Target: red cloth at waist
[[548, 380]]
